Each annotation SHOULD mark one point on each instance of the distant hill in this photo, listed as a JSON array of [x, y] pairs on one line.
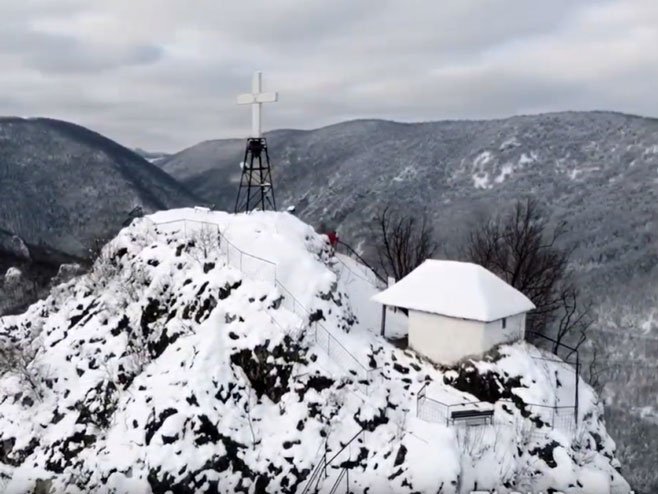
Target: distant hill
[[211, 168], [154, 157], [64, 187]]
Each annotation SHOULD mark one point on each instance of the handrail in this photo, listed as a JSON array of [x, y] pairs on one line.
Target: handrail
[[223, 237], [357, 275], [363, 261], [555, 342], [317, 469], [346, 445], [334, 488], [466, 403], [445, 409], [577, 364], [323, 463], [342, 347]]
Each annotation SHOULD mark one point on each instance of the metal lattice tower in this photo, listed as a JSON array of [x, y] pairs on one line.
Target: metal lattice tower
[[256, 190]]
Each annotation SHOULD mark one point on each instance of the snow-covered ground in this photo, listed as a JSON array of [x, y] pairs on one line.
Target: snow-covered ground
[[209, 352]]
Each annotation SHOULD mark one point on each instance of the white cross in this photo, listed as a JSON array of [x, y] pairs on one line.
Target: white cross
[[255, 99]]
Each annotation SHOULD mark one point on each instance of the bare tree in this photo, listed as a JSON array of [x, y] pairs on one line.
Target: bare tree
[[20, 360], [206, 240], [521, 246], [403, 242], [599, 366], [573, 320], [96, 248]]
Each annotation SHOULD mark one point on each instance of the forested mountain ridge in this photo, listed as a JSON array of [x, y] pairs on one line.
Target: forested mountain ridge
[[65, 188]]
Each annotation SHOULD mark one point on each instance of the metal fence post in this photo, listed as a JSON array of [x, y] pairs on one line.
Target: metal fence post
[[325, 458], [577, 386]]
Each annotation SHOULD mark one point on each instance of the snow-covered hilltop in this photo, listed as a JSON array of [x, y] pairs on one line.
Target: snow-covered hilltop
[[209, 352]]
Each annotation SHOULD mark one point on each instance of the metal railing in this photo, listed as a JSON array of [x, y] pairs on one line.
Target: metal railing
[[431, 410], [562, 418], [323, 338], [366, 275], [320, 471], [344, 474], [208, 236], [362, 261], [258, 268], [556, 345]]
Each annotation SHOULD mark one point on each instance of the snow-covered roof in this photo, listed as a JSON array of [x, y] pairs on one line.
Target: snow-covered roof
[[456, 289]]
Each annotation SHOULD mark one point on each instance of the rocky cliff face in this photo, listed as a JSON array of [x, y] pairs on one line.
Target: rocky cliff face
[[181, 363]]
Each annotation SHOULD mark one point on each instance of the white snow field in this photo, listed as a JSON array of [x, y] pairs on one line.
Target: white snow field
[[181, 364]]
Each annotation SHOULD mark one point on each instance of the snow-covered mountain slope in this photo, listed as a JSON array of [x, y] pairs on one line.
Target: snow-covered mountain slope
[[182, 364]]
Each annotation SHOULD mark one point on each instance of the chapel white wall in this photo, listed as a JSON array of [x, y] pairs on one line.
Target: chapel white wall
[[442, 339], [495, 334], [445, 340]]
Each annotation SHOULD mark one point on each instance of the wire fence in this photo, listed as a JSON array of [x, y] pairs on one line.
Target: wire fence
[[364, 273], [323, 338], [368, 269], [562, 418], [206, 237]]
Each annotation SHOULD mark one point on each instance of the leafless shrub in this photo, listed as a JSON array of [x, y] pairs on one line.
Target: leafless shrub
[[20, 361], [598, 365], [132, 287], [139, 355], [96, 248], [206, 240], [106, 266], [403, 242]]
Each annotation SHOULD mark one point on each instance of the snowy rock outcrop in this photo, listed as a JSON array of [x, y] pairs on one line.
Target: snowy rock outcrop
[[181, 364], [12, 277]]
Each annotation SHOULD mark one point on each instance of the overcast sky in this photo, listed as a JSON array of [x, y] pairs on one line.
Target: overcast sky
[[163, 74]]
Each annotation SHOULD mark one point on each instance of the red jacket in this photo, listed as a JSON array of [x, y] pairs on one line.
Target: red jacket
[[333, 238]]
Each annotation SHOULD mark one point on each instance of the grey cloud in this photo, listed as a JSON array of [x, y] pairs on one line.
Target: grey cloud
[[163, 74], [60, 53]]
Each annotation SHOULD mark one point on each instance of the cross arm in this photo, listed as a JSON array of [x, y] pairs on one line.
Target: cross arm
[[246, 99], [267, 97]]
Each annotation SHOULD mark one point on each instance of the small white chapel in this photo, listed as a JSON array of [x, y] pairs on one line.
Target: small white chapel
[[457, 309]]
